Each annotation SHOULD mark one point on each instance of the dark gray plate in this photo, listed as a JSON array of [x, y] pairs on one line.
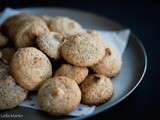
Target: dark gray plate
[[133, 69]]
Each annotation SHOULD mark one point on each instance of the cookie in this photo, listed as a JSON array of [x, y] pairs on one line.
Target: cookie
[[59, 96], [24, 29], [64, 25], [10, 93], [83, 49], [3, 40], [30, 67], [75, 73], [96, 89], [49, 43], [7, 54], [110, 65]]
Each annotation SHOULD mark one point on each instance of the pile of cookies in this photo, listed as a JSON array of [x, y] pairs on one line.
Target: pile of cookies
[[55, 56]]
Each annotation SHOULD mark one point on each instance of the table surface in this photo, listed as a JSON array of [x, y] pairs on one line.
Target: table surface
[[143, 19]]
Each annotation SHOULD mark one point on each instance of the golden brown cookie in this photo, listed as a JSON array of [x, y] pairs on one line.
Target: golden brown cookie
[[64, 25], [75, 73], [24, 28], [10, 93], [7, 54], [30, 67], [3, 40], [59, 96], [49, 43], [110, 65], [96, 89], [83, 49]]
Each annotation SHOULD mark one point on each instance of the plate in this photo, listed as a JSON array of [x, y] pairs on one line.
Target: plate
[[133, 68]]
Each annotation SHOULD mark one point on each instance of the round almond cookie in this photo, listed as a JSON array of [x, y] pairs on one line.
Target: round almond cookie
[[24, 29], [30, 67], [96, 89], [49, 43], [64, 25], [59, 95], [10, 93], [3, 40], [110, 65], [83, 49], [74, 72]]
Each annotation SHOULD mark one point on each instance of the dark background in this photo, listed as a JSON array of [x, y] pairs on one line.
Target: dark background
[[143, 18]]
